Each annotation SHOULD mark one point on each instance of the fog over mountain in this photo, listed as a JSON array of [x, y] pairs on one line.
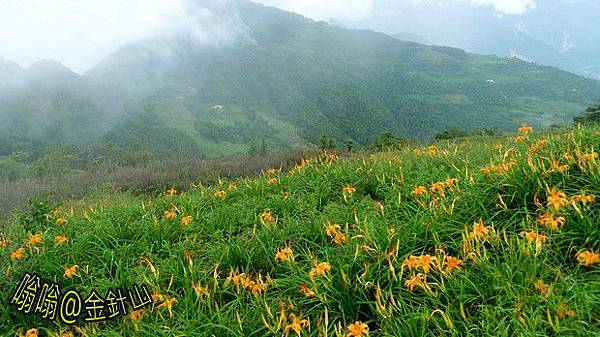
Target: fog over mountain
[[562, 33], [213, 78]]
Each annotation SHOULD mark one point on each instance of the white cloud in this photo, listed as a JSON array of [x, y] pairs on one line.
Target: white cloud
[[325, 9], [510, 7], [79, 33]]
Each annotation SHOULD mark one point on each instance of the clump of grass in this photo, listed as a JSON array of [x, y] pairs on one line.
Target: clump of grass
[[488, 237]]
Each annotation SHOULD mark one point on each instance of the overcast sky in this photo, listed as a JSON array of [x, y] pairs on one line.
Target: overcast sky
[[79, 33]]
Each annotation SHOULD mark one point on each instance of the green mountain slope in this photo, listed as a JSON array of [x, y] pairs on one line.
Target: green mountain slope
[[287, 80]]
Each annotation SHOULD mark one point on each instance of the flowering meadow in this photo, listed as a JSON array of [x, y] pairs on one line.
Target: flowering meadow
[[475, 237]]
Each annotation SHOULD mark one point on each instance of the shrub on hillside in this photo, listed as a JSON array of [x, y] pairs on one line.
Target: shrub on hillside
[[591, 116]]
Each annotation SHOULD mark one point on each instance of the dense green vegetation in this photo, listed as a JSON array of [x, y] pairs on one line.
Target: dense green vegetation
[[284, 81], [486, 236]]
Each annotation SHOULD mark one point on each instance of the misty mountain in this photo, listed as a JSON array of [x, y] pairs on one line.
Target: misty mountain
[[569, 40], [281, 79]]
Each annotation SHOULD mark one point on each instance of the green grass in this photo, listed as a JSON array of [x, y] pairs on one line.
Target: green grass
[[493, 293]]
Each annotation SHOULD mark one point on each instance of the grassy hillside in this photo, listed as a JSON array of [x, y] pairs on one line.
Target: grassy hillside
[[482, 237]]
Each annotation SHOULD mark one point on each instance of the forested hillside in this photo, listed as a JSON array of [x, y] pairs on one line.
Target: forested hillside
[[282, 82]]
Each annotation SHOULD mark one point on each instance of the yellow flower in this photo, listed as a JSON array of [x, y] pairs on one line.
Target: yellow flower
[[551, 222], [186, 220], [285, 255], [320, 269], [557, 199], [18, 254], [61, 221], [357, 329], [61, 240], [71, 271], [307, 291], [432, 150], [519, 139], [296, 324], [419, 191], [170, 214], [525, 129], [220, 194], [272, 181], [271, 171], [171, 192], [588, 258], [452, 263], [34, 239], [348, 190], [232, 186], [416, 281], [56, 212]]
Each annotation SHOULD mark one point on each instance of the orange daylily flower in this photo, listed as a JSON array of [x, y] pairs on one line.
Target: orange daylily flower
[[563, 310], [220, 194], [557, 199], [171, 192], [186, 220], [551, 222], [525, 129], [199, 290], [61, 240], [34, 239], [71, 271], [285, 255], [307, 291], [542, 287], [452, 263], [357, 329], [480, 231], [416, 281], [320, 269], [438, 188], [18, 254], [170, 214], [588, 258], [267, 218], [296, 324], [168, 303], [419, 191]]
